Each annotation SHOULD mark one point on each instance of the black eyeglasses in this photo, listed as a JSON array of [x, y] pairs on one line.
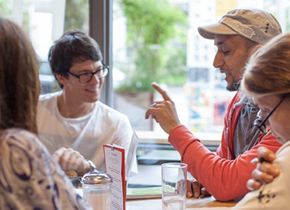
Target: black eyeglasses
[[87, 77], [261, 124]]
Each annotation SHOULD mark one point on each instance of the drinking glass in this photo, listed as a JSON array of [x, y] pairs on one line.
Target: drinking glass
[[174, 176]]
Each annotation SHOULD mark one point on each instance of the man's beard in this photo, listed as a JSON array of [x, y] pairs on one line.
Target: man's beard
[[235, 86]]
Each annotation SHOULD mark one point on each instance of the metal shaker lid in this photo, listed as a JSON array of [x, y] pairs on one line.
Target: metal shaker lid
[[96, 178]]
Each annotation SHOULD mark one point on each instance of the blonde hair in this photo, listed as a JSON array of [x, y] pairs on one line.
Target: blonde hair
[[19, 82], [268, 69]]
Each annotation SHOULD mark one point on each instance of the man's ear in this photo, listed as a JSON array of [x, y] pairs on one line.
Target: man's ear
[[255, 48], [62, 80]]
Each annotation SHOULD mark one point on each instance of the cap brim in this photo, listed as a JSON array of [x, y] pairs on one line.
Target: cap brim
[[209, 31]]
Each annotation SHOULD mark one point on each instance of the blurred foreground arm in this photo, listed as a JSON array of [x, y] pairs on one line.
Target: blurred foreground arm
[[265, 171]]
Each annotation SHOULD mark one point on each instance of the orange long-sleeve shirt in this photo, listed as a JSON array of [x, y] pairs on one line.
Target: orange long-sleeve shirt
[[222, 175]]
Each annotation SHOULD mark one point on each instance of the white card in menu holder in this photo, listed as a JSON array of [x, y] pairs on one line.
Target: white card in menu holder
[[131, 156]]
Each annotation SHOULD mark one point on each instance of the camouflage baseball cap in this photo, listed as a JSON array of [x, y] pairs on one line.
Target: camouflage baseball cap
[[254, 24]]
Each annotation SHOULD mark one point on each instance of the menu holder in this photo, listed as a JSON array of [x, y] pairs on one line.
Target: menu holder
[[115, 166], [114, 156]]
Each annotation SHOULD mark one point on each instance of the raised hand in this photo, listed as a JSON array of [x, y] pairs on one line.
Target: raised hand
[[164, 112]]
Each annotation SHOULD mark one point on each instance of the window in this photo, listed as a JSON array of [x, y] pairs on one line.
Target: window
[[137, 58], [187, 63], [45, 21], [197, 88], [176, 58]]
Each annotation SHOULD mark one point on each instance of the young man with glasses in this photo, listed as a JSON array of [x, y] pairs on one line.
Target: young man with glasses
[[224, 174], [73, 124]]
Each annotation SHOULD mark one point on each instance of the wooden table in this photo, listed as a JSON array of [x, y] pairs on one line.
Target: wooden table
[[156, 204]]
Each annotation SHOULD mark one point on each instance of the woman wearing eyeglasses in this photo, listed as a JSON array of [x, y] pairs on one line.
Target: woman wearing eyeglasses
[[267, 82]]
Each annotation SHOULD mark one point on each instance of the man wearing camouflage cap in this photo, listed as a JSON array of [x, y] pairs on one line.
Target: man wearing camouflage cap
[[224, 174]]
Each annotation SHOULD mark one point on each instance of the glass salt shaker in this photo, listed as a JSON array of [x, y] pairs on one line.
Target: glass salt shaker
[[97, 190]]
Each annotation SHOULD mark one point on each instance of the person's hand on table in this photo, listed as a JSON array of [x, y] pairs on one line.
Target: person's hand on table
[[70, 159], [163, 112], [195, 189], [265, 171]]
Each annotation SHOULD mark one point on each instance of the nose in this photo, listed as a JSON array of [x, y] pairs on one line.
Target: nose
[[218, 60], [267, 124], [95, 79], [263, 116]]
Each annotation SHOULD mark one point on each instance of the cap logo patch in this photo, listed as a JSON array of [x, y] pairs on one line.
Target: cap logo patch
[[239, 27]]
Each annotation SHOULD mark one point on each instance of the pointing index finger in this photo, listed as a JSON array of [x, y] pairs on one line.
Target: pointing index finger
[[161, 91]]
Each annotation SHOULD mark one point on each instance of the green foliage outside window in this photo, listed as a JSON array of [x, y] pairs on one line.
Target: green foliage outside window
[[157, 37], [6, 12], [5, 8], [76, 15]]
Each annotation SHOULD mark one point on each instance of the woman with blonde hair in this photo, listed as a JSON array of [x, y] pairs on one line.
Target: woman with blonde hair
[[267, 82], [29, 177]]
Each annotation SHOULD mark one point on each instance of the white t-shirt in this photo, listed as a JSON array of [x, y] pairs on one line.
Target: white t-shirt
[[274, 195], [86, 134], [30, 178]]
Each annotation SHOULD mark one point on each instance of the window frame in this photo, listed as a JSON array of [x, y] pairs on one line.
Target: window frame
[[100, 29]]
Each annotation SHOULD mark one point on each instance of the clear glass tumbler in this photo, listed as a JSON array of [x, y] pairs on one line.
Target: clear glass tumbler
[[174, 176]]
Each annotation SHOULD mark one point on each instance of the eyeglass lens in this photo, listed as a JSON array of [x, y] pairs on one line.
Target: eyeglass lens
[[261, 124], [84, 78]]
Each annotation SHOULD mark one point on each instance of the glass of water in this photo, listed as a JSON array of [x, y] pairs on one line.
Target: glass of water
[[174, 176]]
